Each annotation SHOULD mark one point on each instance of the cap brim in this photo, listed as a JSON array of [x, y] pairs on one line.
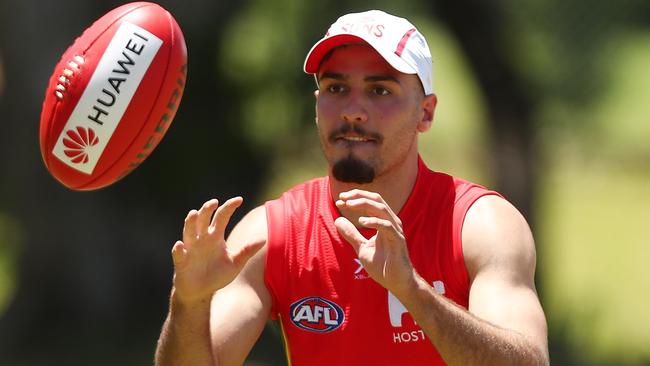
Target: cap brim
[[322, 47], [325, 45]]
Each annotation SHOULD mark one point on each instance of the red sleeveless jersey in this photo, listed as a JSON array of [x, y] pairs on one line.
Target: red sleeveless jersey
[[331, 312]]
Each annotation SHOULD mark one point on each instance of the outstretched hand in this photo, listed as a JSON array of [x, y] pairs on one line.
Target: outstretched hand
[[203, 263], [385, 255]]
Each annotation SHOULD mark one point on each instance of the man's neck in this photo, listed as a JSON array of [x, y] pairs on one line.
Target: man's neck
[[395, 187]]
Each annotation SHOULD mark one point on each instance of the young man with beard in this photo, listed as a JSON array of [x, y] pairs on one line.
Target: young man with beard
[[382, 261]]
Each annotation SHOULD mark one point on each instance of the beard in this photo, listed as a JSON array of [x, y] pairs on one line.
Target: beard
[[353, 170]]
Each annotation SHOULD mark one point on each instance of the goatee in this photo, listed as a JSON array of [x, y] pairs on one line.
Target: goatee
[[353, 170]]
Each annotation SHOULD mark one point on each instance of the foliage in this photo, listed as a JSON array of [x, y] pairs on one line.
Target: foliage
[[246, 126]]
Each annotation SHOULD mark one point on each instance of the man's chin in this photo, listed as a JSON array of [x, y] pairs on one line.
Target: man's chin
[[353, 170]]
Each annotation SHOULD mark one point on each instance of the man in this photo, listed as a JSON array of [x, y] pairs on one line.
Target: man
[[448, 280]]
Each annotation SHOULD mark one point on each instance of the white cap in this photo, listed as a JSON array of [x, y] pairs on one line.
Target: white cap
[[394, 38]]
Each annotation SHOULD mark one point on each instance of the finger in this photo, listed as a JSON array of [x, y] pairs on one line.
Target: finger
[[179, 254], [205, 215], [360, 193], [223, 215], [246, 252], [189, 227], [350, 233], [368, 207], [376, 223], [365, 206], [384, 227]]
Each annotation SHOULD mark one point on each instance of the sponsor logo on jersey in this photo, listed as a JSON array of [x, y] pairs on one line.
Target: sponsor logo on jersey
[[316, 314], [396, 310], [360, 273]]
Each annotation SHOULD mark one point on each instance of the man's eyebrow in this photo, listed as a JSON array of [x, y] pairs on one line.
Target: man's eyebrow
[[371, 78], [381, 78], [331, 75]]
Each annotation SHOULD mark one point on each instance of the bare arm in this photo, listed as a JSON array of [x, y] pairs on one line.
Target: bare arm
[[241, 309], [205, 264], [505, 324]]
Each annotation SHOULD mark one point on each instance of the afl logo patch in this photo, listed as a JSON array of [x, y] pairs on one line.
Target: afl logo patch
[[316, 314]]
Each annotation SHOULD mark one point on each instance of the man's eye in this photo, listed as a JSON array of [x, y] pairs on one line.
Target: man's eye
[[380, 91], [335, 88]]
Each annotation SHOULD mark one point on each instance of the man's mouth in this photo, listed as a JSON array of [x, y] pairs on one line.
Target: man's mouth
[[352, 135], [350, 141], [355, 138]]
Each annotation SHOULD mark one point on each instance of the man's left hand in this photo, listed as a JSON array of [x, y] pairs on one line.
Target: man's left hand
[[385, 255]]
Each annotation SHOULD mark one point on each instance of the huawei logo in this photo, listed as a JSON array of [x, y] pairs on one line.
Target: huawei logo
[[77, 142]]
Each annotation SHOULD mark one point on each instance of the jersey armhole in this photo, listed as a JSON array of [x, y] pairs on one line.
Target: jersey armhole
[[462, 205], [274, 262]]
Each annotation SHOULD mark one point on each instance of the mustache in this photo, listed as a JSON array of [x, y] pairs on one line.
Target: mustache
[[355, 129]]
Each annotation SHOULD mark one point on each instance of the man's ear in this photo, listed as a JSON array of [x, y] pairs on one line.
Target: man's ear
[[428, 106], [316, 106]]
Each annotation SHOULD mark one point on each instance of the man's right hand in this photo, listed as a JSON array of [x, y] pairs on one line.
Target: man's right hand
[[202, 261]]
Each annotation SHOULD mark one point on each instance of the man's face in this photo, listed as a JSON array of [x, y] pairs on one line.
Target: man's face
[[368, 114]]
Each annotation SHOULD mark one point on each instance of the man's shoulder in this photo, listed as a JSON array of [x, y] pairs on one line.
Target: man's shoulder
[[462, 189], [311, 196], [317, 183], [308, 189], [444, 180], [495, 231]]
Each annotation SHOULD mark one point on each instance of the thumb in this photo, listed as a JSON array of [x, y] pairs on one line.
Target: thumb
[[349, 233], [179, 255], [242, 256]]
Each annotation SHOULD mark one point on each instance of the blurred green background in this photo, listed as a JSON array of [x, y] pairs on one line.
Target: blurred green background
[[545, 101]]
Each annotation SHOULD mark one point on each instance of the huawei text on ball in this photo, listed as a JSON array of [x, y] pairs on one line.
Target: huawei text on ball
[[132, 50]]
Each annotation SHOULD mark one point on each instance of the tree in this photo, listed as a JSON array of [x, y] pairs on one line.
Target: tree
[[95, 271]]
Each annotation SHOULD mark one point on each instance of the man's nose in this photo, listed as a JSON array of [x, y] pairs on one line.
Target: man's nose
[[355, 109]]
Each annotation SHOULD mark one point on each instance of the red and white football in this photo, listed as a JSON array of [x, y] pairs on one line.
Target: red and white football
[[113, 96]]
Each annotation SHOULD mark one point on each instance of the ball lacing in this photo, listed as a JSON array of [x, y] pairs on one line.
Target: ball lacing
[[65, 78]]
